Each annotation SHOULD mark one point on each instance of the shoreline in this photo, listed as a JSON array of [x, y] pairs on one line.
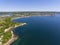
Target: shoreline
[[30, 16], [13, 37], [20, 17], [10, 41]]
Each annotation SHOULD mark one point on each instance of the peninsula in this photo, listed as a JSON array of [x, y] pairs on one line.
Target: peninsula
[[6, 30]]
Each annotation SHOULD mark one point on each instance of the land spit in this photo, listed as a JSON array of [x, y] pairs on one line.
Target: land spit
[[13, 37]]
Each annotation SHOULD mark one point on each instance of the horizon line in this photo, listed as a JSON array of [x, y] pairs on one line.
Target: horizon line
[[29, 11]]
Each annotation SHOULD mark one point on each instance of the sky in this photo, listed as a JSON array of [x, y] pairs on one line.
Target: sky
[[29, 5]]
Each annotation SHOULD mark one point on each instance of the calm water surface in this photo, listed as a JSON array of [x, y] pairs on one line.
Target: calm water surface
[[40, 30]]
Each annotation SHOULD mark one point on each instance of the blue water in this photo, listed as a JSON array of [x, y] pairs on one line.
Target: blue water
[[39, 30]]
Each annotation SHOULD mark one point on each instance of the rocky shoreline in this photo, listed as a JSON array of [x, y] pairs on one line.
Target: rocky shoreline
[[13, 37]]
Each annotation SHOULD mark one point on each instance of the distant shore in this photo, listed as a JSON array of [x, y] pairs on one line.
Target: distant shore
[[20, 17]]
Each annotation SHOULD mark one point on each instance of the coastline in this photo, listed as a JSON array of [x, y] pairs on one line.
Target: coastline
[[20, 17], [13, 37], [30, 16]]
